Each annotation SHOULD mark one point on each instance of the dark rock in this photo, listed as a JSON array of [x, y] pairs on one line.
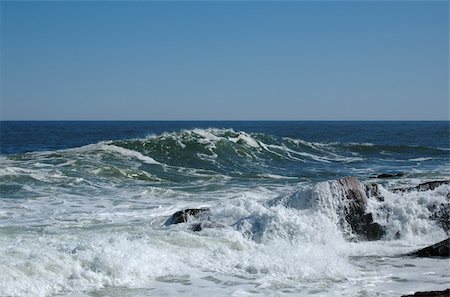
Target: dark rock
[[432, 185], [424, 186], [183, 216], [356, 195], [373, 190], [441, 214], [388, 175], [196, 227], [440, 249], [445, 293], [354, 191]]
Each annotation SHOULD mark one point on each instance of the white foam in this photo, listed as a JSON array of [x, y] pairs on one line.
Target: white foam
[[420, 159], [53, 265], [246, 139], [369, 144], [276, 176], [327, 157], [408, 213], [128, 153], [82, 232], [258, 245], [303, 154]]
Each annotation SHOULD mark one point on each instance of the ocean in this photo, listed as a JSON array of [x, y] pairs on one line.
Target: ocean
[[83, 207]]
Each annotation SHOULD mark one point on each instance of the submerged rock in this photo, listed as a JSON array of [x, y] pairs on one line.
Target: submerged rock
[[373, 191], [388, 175], [439, 212], [440, 249], [445, 293], [183, 216], [200, 216]]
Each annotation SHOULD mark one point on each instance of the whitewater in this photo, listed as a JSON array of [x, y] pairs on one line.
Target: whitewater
[[89, 219]]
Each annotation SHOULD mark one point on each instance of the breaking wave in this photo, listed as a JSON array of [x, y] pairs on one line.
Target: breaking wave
[[89, 218]]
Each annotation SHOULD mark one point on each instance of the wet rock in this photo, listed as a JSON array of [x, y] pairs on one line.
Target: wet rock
[[183, 216], [356, 196], [445, 293], [373, 191], [388, 175], [196, 227], [440, 249], [441, 214], [431, 185], [364, 225], [353, 196]]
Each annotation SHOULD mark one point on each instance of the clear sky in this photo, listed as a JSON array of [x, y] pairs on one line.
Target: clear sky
[[225, 60]]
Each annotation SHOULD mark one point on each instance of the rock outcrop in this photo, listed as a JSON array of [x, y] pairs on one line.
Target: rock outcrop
[[356, 196], [431, 185], [440, 249], [445, 293], [352, 210]]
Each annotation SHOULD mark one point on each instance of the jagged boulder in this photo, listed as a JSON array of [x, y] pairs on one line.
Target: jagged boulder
[[356, 195], [440, 249]]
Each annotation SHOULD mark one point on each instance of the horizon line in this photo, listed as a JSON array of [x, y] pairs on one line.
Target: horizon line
[[191, 120]]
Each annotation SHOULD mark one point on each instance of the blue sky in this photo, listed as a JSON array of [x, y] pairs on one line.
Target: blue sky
[[224, 60]]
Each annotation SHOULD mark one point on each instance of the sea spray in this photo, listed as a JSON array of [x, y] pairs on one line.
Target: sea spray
[[89, 220]]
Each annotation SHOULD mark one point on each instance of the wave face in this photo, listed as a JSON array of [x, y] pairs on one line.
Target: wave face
[[89, 220]]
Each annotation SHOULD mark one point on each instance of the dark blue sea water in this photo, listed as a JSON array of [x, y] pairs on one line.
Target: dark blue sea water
[[312, 150], [83, 207], [23, 136]]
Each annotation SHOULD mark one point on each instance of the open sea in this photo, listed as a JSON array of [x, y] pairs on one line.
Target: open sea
[[83, 207]]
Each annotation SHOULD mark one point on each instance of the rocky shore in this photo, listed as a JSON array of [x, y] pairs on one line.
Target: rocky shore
[[354, 197], [440, 249]]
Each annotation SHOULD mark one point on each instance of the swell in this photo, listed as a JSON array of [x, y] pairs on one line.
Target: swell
[[226, 144], [204, 155]]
